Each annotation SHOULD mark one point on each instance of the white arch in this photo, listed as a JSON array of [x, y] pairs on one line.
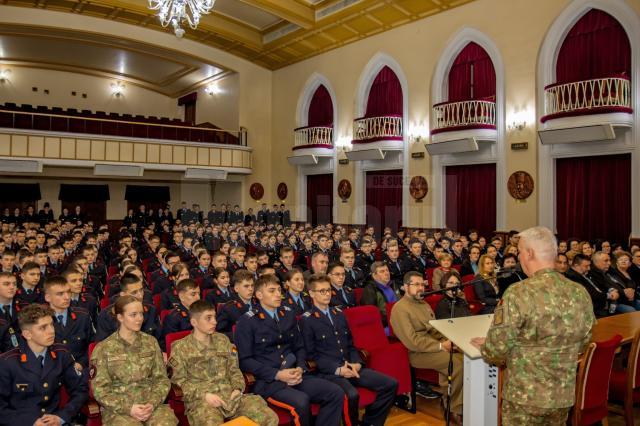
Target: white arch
[[546, 74], [497, 154], [368, 75], [314, 81]]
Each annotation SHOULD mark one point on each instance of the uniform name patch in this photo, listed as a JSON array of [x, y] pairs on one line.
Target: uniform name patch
[[498, 316]]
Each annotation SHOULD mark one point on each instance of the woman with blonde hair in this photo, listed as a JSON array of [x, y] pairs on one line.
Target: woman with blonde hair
[[486, 288]]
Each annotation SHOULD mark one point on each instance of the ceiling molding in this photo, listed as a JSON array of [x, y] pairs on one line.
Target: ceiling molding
[[289, 10]]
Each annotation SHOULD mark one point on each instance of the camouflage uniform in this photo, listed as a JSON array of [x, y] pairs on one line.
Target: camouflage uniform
[[200, 369], [539, 330], [124, 374]]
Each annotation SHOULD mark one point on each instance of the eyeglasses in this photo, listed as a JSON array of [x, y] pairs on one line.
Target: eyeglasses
[[323, 291], [339, 274]]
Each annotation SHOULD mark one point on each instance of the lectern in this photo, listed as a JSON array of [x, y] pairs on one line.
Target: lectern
[[480, 394]]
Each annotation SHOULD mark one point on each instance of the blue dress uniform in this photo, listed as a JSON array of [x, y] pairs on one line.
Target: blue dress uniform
[[298, 305], [205, 275], [9, 330], [88, 303], [217, 296], [268, 344], [342, 297], [27, 297], [169, 298], [74, 331], [329, 343], [29, 390], [230, 313], [354, 277], [108, 324], [177, 320]]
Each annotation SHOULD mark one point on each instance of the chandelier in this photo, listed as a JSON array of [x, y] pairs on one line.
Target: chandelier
[[174, 12]]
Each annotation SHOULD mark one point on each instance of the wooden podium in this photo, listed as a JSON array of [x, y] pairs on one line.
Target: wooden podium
[[480, 393]]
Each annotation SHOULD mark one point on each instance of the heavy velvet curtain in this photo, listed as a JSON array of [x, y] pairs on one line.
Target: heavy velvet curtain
[[385, 95], [593, 197], [83, 192], [22, 192], [597, 46], [320, 108], [471, 198], [384, 200], [320, 199], [465, 85]]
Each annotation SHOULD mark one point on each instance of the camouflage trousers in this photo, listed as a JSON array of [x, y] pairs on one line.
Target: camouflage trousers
[[251, 406], [518, 415], [162, 416]]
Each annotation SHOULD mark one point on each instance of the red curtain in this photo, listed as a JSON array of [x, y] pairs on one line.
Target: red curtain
[[320, 199], [320, 108], [461, 80], [385, 96], [593, 197], [384, 200], [597, 46], [471, 198]]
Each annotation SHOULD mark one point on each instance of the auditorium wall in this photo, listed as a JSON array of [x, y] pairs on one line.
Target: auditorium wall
[[517, 28], [222, 107]]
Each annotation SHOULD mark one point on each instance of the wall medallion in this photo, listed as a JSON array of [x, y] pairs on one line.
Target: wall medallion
[[256, 191], [418, 188], [520, 185], [283, 191], [344, 190]]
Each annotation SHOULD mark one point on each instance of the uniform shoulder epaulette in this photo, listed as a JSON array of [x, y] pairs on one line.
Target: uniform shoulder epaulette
[[337, 309], [306, 314], [230, 302], [15, 352], [57, 347], [286, 308], [249, 313], [80, 310]]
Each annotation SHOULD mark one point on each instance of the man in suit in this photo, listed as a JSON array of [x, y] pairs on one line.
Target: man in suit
[[600, 297], [337, 359], [271, 348], [601, 276]]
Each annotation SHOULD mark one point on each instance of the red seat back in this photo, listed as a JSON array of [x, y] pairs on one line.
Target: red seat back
[[389, 306], [428, 275], [163, 314], [172, 337], [592, 389], [366, 327], [157, 301], [433, 300]]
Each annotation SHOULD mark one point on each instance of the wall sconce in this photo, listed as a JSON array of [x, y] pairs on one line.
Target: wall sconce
[[117, 89], [517, 125], [518, 120], [212, 89], [4, 75]]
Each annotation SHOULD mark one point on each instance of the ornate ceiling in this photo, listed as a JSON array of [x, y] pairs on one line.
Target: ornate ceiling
[[270, 33]]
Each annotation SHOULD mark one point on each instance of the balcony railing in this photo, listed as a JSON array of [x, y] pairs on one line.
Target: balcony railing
[[461, 115], [598, 95], [370, 129], [314, 137], [123, 128]]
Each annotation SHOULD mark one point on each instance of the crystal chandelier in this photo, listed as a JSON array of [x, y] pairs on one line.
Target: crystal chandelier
[[174, 12]]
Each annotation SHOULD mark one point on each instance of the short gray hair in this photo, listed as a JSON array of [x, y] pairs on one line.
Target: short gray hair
[[542, 240]]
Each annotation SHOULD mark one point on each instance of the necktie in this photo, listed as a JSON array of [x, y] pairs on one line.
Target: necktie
[[61, 319], [329, 316], [353, 274], [275, 317], [301, 303], [344, 296], [6, 310], [41, 361]]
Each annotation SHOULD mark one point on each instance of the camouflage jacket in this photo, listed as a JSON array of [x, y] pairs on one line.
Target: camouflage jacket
[[539, 330], [200, 369], [124, 374]]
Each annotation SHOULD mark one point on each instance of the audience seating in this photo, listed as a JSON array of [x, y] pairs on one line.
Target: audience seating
[[475, 305], [592, 385], [175, 393], [625, 382], [91, 409], [112, 124]]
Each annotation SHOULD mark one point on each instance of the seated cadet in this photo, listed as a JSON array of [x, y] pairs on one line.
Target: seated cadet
[[130, 285], [127, 372], [453, 301], [242, 302], [267, 270], [78, 298], [365, 258], [251, 264], [203, 271], [295, 298], [178, 319], [9, 309], [32, 374], [328, 342], [29, 291], [169, 297], [73, 326], [354, 277], [286, 262], [221, 293], [427, 347], [237, 259], [205, 366], [341, 295], [271, 348], [8, 262], [161, 279]]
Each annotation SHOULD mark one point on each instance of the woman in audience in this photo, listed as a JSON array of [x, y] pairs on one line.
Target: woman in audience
[[452, 299], [562, 246], [470, 265], [492, 252], [132, 254], [620, 274], [225, 247], [128, 374], [605, 247], [487, 289], [585, 248], [445, 260]]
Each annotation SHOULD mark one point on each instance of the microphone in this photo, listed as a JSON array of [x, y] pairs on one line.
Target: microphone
[[505, 272]]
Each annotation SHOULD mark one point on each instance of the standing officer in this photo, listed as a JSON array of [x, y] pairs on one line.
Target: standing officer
[[271, 348], [32, 374], [205, 366], [328, 341], [539, 330]]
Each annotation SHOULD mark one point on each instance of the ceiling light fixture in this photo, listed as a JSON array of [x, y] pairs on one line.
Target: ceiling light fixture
[[175, 12]]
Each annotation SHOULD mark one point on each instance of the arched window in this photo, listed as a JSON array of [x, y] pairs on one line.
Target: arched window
[[472, 75], [597, 46], [385, 95], [321, 108]]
